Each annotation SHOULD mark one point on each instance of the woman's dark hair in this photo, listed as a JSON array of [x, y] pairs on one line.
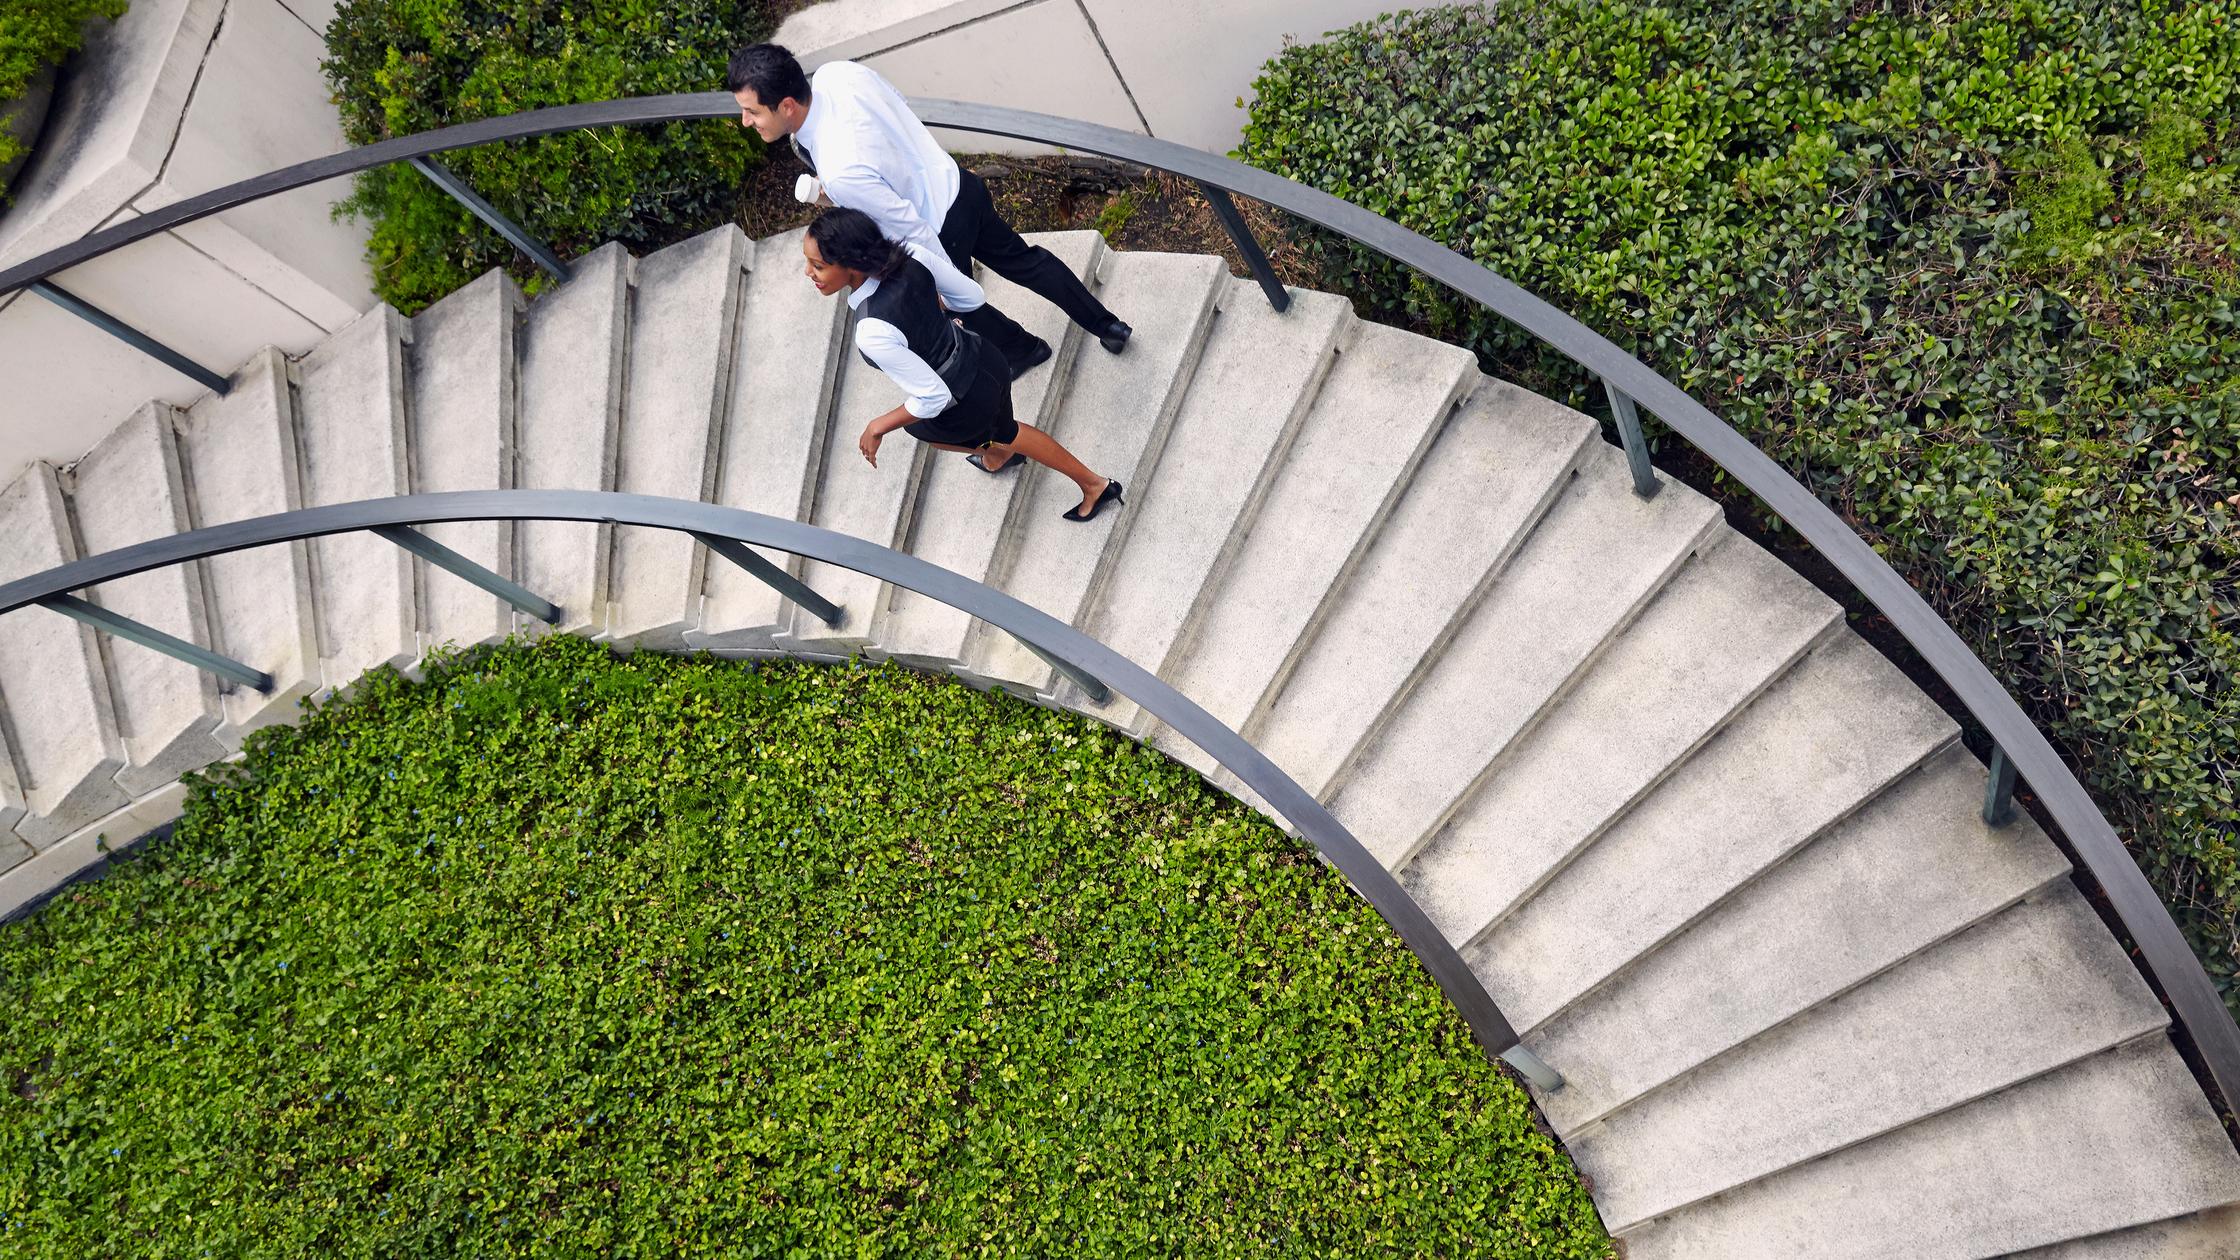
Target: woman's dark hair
[[849, 238], [771, 71]]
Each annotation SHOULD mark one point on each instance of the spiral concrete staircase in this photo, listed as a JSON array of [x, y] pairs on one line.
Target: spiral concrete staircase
[[1719, 862]]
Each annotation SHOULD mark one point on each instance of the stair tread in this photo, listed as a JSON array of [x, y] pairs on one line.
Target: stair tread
[[1494, 469], [461, 371], [961, 510], [350, 431], [1116, 413], [1741, 970], [1827, 736], [783, 365], [239, 455], [2037, 986], [570, 406], [128, 489], [1598, 555], [1731, 622], [679, 377], [2119, 1139], [2210, 1235], [1384, 402], [1258, 375], [51, 680]]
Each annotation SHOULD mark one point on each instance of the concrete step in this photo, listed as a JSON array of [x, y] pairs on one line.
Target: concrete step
[[239, 458], [1493, 472], [2033, 988], [1115, 417], [1910, 869], [14, 849], [682, 327], [350, 435], [784, 361], [855, 499], [1731, 622], [961, 510], [1597, 557], [1377, 414], [2210, 1235], [462, 366], [569, 410], [2119, 1139], [1257, 377], [54, 691], [1820, 743], [128, 490]]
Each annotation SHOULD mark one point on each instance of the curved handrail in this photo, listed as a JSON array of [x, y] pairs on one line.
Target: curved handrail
[[2163, 947], [1031, 625]]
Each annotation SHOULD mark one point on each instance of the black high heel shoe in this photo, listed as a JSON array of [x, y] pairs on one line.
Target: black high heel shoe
[[999, 469], [1111, 495]]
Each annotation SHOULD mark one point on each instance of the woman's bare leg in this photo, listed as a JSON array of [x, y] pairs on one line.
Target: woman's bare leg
[[1044, 449]]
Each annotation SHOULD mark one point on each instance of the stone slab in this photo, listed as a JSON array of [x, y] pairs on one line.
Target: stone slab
[[350, 431], [462, 371], [569, 414], [240, 461], [128, 490], [682, 327]]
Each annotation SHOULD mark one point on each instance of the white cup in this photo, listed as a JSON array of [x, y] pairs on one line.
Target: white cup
[[807, 189]]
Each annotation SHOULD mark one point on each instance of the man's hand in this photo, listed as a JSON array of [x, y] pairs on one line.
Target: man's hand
[[869, 445]]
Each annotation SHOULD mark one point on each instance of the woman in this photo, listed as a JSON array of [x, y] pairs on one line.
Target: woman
[[957, 388]]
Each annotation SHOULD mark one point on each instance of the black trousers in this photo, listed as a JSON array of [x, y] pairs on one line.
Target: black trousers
[[972, 230]]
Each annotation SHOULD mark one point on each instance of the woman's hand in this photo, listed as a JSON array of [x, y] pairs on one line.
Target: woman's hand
[[869, 445]]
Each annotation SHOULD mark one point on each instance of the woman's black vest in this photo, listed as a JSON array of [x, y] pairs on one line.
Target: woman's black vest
[[908, 300]]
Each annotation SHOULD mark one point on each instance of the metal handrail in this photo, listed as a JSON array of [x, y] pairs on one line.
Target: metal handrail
[[2020, 749], [1046, 635]]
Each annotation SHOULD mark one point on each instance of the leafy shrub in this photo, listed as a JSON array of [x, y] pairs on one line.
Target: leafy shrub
[[556, 954], [405, 66], [1964, 269], [35, 34]]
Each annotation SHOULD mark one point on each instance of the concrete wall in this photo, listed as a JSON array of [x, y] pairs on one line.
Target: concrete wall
[[1175, 69], [175, 98]]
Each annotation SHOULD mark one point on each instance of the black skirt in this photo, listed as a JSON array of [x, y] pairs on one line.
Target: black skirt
[[981, 417]]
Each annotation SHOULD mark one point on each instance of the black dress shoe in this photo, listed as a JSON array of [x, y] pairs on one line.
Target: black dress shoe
[[1115, 336], [1111, 495], [1034, 358]]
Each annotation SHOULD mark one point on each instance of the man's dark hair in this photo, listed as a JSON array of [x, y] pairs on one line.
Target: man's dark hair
[[852, 239], [771, 71]]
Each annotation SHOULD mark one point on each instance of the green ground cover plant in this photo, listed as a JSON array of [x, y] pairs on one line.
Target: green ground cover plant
[[559, 954], [36, 34], [1966, 269], [405, 66]]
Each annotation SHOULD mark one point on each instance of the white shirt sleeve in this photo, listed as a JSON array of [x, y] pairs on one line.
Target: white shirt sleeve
[[928, 396], [959, 292], [858, 186]]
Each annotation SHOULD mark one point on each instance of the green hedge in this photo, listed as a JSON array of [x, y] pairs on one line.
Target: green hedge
[[1970, 275], [556, 954], [404, 66], [35, 34]]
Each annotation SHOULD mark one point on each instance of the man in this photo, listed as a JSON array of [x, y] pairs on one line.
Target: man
[[857, 135]]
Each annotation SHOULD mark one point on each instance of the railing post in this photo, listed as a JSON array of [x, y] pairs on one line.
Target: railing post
[[776, 578], [131, 336], [1533, 1068], [1998, 790], [1247, 245], [537, 250], [1088, 682], [445, 558], [156, 640], [1623, 411]]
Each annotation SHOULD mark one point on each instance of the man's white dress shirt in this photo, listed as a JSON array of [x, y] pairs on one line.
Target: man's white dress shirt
[[875, 156], [929, 395]]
